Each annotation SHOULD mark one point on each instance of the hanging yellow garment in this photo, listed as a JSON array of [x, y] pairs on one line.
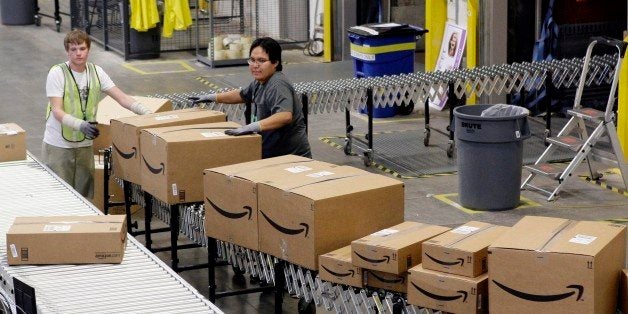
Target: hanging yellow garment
[[144, 14], [176, 16]]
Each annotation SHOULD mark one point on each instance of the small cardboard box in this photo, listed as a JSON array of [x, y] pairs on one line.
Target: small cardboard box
[[231, 212], [116, 194], [66, 240], [336, 267], [173, 158], [395, 249], [447, 292], [12, 142], [125, 134], [387, 281], [109, 109], [555, 265], [623, 292], [302, 217], [463, 250]]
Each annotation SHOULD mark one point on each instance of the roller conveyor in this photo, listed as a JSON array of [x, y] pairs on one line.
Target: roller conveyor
[[140, 284]]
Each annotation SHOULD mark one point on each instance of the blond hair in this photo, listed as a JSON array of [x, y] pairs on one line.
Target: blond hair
[[77, 37]]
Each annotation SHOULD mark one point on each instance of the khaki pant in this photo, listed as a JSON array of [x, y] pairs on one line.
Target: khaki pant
[[74, 165]]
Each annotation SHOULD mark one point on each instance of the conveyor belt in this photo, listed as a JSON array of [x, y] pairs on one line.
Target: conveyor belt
[[140, 284]]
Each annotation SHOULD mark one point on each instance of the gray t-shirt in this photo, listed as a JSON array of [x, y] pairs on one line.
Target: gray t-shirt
[[277, 95]]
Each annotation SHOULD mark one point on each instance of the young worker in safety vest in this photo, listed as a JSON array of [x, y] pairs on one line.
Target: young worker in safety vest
[[73, 89]]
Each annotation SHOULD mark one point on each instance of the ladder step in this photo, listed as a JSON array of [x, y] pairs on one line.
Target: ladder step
[[567, 141], [545, 169], [587, 114]]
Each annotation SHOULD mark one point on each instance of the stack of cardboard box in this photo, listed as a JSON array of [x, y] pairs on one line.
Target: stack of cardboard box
[[453, 275], [297, 210]]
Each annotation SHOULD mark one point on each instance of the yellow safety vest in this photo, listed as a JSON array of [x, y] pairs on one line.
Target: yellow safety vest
[[72, 100]]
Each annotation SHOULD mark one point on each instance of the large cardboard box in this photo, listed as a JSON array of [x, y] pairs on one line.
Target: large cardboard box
[[125, 133], [109, 109], [116, 194], [12, 142], [386, 281], [336, 267], [463, 250], [623, 292], [394, 249], [305, 216], [231, 212], [66, 240], [173, 158], [448, 293], [555, 265]]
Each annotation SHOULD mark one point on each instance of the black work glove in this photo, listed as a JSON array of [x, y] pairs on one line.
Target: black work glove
[[247, 129], [203, 98], [89, 129]]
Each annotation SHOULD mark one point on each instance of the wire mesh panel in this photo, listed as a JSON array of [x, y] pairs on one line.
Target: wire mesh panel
[[286, 21]]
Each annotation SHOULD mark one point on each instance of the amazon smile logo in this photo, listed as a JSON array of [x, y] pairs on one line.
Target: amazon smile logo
[[458, 261], [231, 215], [544, 297], [125, 155], [306, 227], [351, 272], [461, 294], [372, 260], [388, 281], [153, 169]]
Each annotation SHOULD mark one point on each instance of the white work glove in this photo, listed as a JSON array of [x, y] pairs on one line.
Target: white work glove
[[88, 128], [247, 129], [203, 98], [139, 109]]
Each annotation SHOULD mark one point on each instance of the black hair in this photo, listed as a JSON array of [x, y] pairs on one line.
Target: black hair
[[271, 47]]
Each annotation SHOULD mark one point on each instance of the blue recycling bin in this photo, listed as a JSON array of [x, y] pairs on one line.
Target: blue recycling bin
[[383, 49]]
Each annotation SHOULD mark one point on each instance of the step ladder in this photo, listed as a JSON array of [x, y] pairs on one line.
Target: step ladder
[[574, 135]]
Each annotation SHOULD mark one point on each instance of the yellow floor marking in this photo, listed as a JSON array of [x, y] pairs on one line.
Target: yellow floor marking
[[448, 199], [134, 67]]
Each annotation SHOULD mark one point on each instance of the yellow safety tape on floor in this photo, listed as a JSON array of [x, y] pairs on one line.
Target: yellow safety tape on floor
[[449, 199], [137, 67]]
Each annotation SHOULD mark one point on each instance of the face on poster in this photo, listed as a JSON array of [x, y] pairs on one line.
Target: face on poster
[[450, 56]]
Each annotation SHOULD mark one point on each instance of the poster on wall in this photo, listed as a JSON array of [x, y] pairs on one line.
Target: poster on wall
[[450, 56]]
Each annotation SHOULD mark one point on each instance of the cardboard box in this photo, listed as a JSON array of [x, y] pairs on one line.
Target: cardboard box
[[623, 292], [125, 133], [447, 292], [231, 212], [66, 240], [116, 194], [173, 158], [555, 265], [394, 249], [305, 216], [109, 109], [387, 281], [12, 142], [463, 250], [336, 267]]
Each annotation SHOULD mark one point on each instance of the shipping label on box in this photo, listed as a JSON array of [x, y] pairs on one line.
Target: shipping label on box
[[463, 250], [395, 249], [387, 281], [556, 265], [109, 109], [12, 142], [305, 216], [448, 293], [173, 158], [66, 240], [231, 211], [125, 134], [336, 267]]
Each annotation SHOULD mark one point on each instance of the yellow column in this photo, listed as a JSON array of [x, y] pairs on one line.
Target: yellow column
[[622, 107], [435, 19], [327, 31], [472, 39]]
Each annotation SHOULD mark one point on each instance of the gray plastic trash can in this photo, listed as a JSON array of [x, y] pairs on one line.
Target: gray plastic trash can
[[17, 12], [490, 155]]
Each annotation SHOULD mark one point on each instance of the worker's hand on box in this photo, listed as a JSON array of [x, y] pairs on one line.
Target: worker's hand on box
[[89, 129], [244, 130], [203, 98]]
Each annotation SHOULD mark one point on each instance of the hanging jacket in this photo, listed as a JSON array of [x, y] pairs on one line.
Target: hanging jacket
[[176, 16], [72, 100], [144, 14]]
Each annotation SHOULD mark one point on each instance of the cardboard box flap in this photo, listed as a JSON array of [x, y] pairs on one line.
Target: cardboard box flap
[[402, 235], [465, 237], [584, 238], [109, 109], [10, 129], [315, 178], [237, 169], [75, 224], [164, 116], [193, 132], [531, 233]]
